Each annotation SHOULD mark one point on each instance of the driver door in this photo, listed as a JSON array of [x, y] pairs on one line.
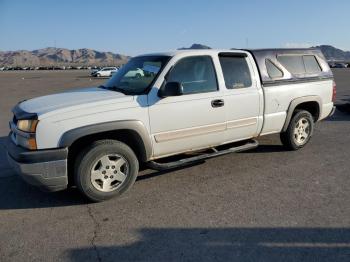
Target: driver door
[[193, 120]]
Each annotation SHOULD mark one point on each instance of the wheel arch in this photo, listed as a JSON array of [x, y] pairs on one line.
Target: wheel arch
[[312, 104], [131, 132]]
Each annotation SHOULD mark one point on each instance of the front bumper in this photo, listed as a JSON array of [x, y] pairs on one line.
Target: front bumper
[[46, 169]]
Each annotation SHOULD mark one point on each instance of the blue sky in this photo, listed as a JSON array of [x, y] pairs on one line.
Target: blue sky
[[133, 27]]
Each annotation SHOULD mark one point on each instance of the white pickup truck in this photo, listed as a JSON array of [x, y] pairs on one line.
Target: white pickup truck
[[207, 102]]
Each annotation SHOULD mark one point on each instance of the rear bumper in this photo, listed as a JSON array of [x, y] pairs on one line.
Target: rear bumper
[[46, 169]]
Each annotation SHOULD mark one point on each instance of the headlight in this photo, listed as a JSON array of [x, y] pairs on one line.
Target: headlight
[[25, 134], [27, 125]]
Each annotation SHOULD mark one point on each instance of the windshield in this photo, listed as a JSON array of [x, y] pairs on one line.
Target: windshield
[[137, 75]]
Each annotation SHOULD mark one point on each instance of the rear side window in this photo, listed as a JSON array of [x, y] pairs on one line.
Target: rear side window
[[293, 63], [300, 64], [196, 74], [272, 70], [236, 72], [311, 64]]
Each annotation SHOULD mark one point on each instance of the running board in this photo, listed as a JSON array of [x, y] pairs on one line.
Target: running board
[[186, 161]]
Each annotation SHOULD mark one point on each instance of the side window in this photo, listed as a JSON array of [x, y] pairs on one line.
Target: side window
[[293, 63], [272, 70], [236, 72], [311, 64], [196, 74]]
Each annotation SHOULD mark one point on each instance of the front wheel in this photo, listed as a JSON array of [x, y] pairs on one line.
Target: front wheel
[[299, 131], [105, 169]]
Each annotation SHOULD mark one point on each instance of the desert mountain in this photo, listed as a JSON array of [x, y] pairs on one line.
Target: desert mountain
[[60, 56], [332, 53], [195, 46]]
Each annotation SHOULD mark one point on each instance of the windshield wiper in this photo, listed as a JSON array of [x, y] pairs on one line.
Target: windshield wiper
[[119, 89], [114, 88]]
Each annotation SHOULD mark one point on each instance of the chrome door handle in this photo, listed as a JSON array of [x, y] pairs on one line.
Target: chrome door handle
[[217, 103]]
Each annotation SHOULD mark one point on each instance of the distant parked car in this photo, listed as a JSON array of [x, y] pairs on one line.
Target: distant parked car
[[340, 65], [2, 68], [106, 71], [150, 70], [94, 70], [137, 73]]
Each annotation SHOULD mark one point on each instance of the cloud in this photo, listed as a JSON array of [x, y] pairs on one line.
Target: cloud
[[297, 45], [184, 31]]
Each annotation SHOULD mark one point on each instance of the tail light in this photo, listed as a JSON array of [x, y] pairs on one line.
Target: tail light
[[334, 93]]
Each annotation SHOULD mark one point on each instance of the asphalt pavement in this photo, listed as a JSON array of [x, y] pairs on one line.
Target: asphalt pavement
[[266, 204]]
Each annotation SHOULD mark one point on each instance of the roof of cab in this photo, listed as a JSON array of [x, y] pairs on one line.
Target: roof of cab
[[253, 51], [194, 51]]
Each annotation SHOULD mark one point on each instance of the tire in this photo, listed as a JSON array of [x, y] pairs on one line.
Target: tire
[[105, 169], [98, 75], [138, 75], [299, 131]]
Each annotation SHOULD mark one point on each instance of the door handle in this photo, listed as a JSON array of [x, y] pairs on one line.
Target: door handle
[[217, 103]]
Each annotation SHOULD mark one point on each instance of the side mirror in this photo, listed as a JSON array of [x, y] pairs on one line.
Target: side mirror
[[171, 89]]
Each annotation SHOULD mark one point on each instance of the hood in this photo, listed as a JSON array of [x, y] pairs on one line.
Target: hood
[[74, 98]]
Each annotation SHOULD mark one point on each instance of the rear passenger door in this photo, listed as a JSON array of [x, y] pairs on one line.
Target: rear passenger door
[[243, 98]]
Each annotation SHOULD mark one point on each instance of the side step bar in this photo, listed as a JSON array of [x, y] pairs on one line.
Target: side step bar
[[186, 161]]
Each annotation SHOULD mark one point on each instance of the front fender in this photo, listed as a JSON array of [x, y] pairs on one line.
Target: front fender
[[68, 138]]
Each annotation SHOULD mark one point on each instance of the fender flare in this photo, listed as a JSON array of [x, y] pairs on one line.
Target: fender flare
[[297, 102], [69, 137]]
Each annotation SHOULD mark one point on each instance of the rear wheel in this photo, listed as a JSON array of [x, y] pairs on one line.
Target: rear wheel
[[299, 131], [98, 75], [105, 169]]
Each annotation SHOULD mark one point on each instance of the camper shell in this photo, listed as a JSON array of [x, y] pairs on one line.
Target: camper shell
[[294, 70]]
